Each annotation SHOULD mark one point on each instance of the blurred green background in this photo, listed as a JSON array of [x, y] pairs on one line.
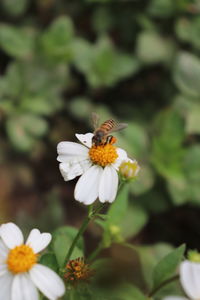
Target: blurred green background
[[135, 61]]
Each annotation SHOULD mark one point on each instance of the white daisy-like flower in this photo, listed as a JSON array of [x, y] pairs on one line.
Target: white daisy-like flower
[[20, 275], [190, 280], [175, 298], [97, 165]]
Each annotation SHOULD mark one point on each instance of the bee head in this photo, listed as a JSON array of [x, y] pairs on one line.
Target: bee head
[[97, 138]]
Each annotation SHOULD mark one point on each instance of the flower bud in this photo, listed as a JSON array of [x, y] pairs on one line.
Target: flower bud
[[194, 256], [129, 169]]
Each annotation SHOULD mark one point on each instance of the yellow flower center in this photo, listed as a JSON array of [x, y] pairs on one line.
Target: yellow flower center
[[21, 259], [103, 155]]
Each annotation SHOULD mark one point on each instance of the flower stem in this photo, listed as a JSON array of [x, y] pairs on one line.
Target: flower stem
[[159, 287], [91, 215]]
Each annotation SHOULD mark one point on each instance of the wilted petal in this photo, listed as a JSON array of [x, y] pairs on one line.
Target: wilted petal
[[69, 151], [73, 169]]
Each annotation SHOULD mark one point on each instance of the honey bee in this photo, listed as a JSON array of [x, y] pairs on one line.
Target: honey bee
[[102, 133]]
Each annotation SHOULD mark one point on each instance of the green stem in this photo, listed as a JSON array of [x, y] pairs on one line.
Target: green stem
[[159, 287], [91, 215]]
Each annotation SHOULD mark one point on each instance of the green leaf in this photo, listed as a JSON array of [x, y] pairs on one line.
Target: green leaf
[[135, 219], [14, 7], [115, 215], [17, 134], [187, 74], [183, 29], [168, 265], [193, 120], [149, 257], [56, 42], [144, 182], [118, 209], [16, 42], [23, 129], [162, 8], [167, 150], [61, 242], [136, 137], [130, 292], [49, 260], [153, 48], [79, 107], [101, 63]]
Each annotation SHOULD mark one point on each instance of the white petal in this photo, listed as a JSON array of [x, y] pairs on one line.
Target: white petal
[[3, 269], [11, 235], [87, 187], [122, 155], [38, 241], [190, 278], [5, 284], [71, 170], [175, 298], [108, 185], [85, 139], [23, 288], [47, 281], [67, 151], [3, 251]]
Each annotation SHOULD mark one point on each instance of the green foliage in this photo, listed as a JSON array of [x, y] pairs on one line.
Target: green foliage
[[49, 260], [167, 266], [186, 74], [61, 242], [56, 41], [101, 63], [17, 42]]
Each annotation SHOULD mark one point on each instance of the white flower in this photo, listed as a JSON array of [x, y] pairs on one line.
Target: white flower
[[175, 298], [98, 166], [20, 274], [190, 279]]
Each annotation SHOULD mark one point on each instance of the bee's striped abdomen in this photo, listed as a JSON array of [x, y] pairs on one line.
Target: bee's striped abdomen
[[108, 125]]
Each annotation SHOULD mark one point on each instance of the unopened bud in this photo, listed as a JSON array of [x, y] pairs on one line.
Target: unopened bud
[[129, 169], [194, 256]]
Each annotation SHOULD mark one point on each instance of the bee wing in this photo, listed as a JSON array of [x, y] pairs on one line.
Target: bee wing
[[95, 120], [118, 127]]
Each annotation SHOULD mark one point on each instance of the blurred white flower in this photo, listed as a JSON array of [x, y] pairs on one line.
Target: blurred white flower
[[189, 278], [175, 298], [98, 166], [20, 274]]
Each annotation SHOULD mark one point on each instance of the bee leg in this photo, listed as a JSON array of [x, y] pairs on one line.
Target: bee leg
[[110, 140]]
